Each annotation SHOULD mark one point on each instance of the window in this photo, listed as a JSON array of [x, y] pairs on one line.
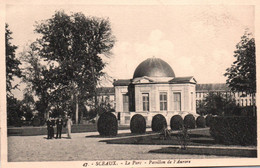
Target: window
[[191, 99], [125, 103], [177, 101], [163, 101], [145, 101], [242, 102]]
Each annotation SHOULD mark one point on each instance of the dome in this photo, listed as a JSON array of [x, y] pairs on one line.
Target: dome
[[154, 67]]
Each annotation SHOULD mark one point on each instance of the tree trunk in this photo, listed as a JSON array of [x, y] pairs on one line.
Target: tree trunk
[[77, 109], [253, 102]]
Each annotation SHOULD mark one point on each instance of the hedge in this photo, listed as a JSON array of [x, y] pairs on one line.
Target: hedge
[[208, 120], [158, 123], [189, 121], [200, 122], [107, 124], [234, 130], [138, 124], [176, 122], [36, 122]]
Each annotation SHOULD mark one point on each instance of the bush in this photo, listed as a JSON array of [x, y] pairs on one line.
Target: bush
[[200, 122], [158, 123], [189, 121], [36, 122], [138, 124], [176, 122], [107, 124], [234, 130], [208, 120]]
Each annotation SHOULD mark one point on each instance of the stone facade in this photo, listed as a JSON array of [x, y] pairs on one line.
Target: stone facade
[[154, 94]]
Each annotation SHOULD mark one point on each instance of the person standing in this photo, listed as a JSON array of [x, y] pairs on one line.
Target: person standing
[[59, 124], [49, 128], [52, 128], [69, 123]]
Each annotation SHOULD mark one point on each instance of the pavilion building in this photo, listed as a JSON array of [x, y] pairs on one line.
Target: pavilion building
[[154, 89]]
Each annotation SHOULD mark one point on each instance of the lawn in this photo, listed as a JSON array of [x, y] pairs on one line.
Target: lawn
[[196, 138], [199, 142]]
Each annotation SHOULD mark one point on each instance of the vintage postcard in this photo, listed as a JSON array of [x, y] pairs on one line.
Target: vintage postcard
[[129, 83]]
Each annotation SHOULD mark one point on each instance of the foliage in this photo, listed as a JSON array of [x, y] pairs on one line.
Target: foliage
[[242, 73], [189, 121], [200, 122], [208, 120], [12, 63], [165, 134], [217, 104], [201, 108], [14, 111], [92, 113], [73, 46], [107, 124], [176, 122], [36, 77], [158, 123], [183, 137], [138, 124], [234, 130], [36, 121]]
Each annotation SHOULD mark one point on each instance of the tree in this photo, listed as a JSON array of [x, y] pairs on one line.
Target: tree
[[12, 63], [242, 73], [74, 45], [217, 104], [14, 112], [36, 78]]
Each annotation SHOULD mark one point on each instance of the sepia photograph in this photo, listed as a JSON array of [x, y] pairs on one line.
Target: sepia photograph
[[133, 84]]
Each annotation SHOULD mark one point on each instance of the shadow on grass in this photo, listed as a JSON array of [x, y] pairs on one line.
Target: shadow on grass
[[157, 139], [118, 135], [208, 151]]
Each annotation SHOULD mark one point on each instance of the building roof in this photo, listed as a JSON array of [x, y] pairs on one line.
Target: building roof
[[212, 87], [199, 87], [105, 90], [153, 67], [188, 79], [122, 82]]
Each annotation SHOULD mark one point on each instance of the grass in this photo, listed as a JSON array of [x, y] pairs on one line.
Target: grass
[[208, 151], [199, 143], [196, 138]]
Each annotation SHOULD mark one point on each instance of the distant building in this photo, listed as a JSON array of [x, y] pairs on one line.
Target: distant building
[[154, 89], [242, 99], [202, 90]]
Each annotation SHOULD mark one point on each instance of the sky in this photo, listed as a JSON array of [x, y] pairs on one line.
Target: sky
[[196, 40]]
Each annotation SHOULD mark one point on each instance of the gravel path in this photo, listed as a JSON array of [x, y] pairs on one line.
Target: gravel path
[[82, 148]]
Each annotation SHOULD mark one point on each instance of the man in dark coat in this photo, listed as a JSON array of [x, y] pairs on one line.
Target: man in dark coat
[[52, 128], [59, 123], [49, 128]]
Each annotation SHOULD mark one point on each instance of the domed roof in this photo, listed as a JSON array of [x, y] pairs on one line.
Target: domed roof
[[154, 67]]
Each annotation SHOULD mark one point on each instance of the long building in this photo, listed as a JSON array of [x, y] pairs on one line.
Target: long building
[[154, 89], [202, 90]]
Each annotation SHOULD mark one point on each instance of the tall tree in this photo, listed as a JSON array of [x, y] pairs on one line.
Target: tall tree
[[12, 63], [36, 78], [14, 112], [242, 73], [75, 45]]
